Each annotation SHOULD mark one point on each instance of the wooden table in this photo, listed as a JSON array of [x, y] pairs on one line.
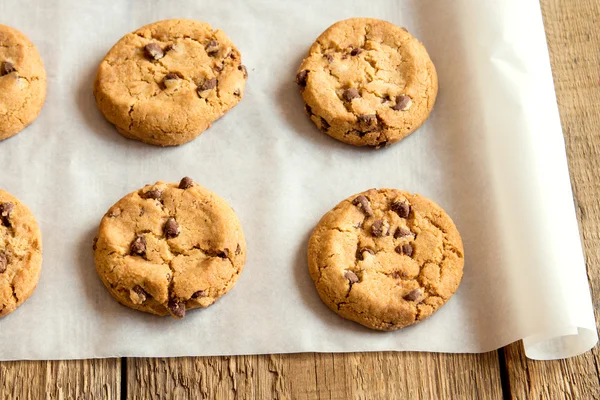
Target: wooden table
[[573, 33]]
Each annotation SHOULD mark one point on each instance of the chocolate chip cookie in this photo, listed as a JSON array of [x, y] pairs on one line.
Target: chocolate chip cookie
[[22, 82], [386, 258], [367, 82], [169, 247], [165, 83], [20, 253]]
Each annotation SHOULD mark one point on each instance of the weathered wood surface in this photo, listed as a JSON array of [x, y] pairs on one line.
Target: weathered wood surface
[[80, 379], [573, 32], [318, 376]]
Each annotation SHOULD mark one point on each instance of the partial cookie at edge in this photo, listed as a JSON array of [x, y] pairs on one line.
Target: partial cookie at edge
[[22, 82], [20, 253]]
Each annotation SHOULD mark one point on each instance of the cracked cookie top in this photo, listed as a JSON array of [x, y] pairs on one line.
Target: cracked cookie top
[[165, 83], [170, 247], [22, 82], [386, 258], [20, 253], [367, 82]]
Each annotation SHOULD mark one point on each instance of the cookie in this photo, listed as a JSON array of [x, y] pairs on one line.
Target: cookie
[[22, 82], [165, 83], [385, 258], [20, 253], [367, 82], [169, 247]]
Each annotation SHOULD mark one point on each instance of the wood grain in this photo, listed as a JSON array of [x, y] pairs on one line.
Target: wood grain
[[79, 379], [318, 376], [573, 34]]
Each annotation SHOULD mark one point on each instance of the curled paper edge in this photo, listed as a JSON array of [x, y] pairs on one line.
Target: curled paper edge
[[561, 343]]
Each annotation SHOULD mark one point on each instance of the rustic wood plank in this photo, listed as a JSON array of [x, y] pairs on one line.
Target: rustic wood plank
[[386, 375], [573, 33], [76, 379]]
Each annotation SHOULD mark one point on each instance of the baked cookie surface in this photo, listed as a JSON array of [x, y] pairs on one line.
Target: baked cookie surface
[[385, 258], [22, 82], [169, 247], [367, 82], [20, 253], [165, 83]]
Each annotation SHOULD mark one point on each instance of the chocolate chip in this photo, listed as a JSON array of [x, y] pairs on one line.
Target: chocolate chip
[[186, 183], [351, 276], [114, 212], [199, 293], [351, 94], [328, 57], [401, 208], [403, 103], [405, 249], [355, 52], [238, 249], [152, 51], [398, 275], [152, 194], [140, 294], [209, 84], [302, 77], [380, 145], [171, 228], [138, 246], [360, 253], [171, 80], [6, 68], [363, 203], [139, 290], [94, 243], [380, 228], [244, 70], [368, 119], [414, 295], [206, 87], [324, 124], [3, 262], [5, 211], [177, 308], [219, 68], [236, 92], [401, 232], [212, 47]]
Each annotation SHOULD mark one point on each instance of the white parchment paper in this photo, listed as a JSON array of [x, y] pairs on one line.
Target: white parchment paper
[[492, 154]]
